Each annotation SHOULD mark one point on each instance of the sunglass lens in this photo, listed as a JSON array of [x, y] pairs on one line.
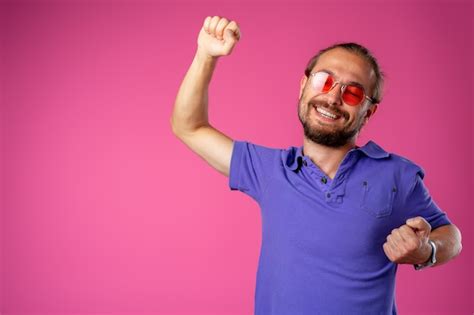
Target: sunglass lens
[[319, 81], [328, 84], [353, 95]]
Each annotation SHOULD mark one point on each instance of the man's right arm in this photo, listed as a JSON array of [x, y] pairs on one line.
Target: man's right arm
[[190, 121]]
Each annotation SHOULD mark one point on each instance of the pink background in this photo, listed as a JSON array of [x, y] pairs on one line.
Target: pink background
[[103, 210]]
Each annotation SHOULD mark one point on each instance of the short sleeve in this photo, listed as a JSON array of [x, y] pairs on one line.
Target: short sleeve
[[251, 167], [420, 203]]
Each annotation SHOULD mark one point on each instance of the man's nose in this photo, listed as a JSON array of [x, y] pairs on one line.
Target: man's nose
[[334, 95]]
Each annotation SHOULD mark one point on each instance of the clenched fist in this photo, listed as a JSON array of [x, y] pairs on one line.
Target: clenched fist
[[408, 244], [218, 36]]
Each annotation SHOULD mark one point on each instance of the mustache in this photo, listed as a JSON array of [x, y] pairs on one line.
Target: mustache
[[336, 110]]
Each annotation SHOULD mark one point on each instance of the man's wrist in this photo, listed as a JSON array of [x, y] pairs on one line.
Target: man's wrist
[[431, 260], [202, 56], [428, 249]]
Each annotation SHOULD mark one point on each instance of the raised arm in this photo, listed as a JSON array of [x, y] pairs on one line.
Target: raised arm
[[189, 120]]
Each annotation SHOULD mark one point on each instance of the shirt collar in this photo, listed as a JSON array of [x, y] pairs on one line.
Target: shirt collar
[[371, 149]]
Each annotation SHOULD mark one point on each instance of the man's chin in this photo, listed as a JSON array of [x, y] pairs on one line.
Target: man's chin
[[325, 128], [333, 138]]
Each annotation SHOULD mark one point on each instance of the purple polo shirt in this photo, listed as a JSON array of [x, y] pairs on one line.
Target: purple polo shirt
[[322, 239]]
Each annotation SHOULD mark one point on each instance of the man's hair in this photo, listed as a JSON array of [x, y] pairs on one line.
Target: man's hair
[[362, 52]]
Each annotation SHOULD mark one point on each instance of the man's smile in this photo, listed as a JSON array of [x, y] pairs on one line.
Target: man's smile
[[325, 114]]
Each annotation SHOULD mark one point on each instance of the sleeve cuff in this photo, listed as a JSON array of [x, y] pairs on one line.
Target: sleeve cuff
[[235, 163]]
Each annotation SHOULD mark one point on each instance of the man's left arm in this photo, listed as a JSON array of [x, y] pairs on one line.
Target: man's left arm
[[409, 244]]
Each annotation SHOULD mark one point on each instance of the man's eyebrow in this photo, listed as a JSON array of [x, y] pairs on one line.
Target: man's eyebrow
[[348, 82]]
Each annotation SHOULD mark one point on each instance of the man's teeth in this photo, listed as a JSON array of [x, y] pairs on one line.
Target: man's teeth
[[325, 113]]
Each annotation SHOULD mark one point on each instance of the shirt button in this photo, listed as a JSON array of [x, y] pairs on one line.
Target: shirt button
[[328, 195], [305, 163], [324, 180]]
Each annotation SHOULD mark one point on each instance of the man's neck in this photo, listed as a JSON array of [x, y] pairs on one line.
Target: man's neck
[[326, 158]]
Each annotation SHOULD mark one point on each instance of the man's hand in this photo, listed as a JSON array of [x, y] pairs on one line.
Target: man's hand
[[409, 243], [218, 36]]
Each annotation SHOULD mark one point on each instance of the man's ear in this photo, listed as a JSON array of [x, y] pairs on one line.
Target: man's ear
[[370, 111], [302, 84]]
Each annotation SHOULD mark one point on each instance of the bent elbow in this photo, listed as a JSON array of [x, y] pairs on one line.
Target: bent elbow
[[457, 240]]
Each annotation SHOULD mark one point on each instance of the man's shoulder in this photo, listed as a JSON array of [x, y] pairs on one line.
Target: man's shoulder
[[389, 160], [270, 155], [263, 149], [258, 151]]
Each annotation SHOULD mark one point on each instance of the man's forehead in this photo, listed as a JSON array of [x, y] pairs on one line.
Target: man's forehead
[[347, 65]]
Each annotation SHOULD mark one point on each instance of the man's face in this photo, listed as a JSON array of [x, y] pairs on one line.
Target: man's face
[[346, 67]]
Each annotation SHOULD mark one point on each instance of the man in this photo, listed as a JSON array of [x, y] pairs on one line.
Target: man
[[337, 218]]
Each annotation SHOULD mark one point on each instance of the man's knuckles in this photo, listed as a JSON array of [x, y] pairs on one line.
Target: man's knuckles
[[211, 25], [403, 245], [220, 27], [388, 252], [406, 230], [396, 234]]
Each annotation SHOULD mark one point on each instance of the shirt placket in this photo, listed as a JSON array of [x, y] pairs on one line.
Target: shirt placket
[[333, 190]]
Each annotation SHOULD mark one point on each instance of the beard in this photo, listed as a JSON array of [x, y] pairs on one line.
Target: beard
[[331, 138]]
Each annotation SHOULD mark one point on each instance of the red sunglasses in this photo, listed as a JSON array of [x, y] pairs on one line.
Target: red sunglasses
[[352, 94]]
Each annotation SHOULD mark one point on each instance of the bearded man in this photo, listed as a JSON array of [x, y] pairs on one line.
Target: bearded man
[[337, 219]]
